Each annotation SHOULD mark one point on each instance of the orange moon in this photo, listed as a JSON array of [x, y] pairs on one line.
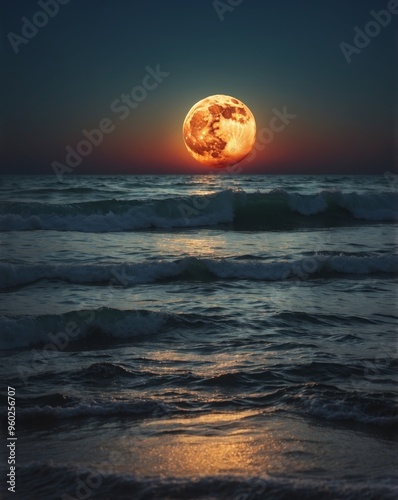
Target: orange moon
[[219, 130]]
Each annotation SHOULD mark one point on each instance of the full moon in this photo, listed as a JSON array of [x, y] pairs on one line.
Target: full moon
[[219, 130]]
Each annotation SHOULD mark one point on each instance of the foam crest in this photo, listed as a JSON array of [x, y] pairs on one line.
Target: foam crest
[[274, 208]]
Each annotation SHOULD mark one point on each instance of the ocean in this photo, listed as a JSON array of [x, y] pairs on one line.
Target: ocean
[[199, 337]]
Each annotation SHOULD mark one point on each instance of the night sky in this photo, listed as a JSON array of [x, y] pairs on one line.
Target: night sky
[[274, 54]]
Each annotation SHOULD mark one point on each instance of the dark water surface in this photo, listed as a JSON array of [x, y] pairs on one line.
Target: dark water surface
[[186, 337]]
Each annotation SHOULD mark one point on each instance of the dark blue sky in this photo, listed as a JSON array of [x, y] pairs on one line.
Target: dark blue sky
[[269, 54]]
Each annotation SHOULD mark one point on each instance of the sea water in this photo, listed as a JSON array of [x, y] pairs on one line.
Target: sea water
[[180, 337]]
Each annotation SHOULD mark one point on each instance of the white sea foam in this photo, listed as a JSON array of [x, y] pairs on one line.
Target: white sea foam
[[195, 211]]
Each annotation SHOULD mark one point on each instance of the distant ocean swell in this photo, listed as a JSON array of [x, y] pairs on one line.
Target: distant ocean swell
[[274, 209], [321, 265], [53, 481]]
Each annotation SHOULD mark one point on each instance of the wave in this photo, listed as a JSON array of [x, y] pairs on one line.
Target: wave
[[95, 326], [57, 331], [96, 408], [312, 400], [330, 403], [200, 269], [309, 399], [270, 210], [47, 480]]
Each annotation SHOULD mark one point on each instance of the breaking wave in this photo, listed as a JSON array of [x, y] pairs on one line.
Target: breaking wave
[[273, 209]]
